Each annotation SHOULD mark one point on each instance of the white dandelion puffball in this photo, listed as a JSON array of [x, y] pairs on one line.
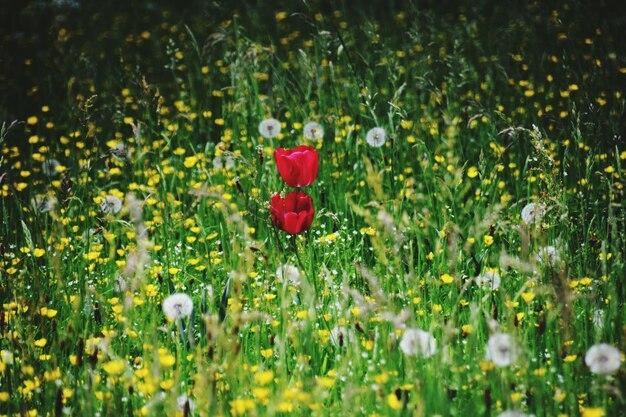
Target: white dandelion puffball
[[488, 280], [121, 152], [418, 342], [533, 213], [512, 413], [43, 203], [225, 162], [341, 335], [182, 401], [313, 131], [548, 256], [49, 167], [269, 128], [288, 273], [111, 205], [376, 137], [6, 357], [502, 349], [178, 306], [603, 359]]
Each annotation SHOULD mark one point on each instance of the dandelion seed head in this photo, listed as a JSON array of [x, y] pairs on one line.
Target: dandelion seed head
[[121, 152], [313, 131], [6, 357], [513, 413], [111, 205], [488, 280], [502, 349], [603, 359], [533, 213], [182, 401], [269, 128], [548, 255], [223, 162], [43, 203], [288, 273], [376, 137], [177, 306], [418, 342], [49, 167]]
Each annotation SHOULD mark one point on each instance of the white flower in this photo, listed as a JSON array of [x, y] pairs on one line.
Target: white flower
[[49, 167], [548, 256], [121, 152], [511, 413], [177, 306], [70, 4], [6, 357], [269, 128], [502, 349], [533, 213], [376, 137], [488, 280], [226, 162], [288, 273], [43, 203], [341, 335], [313, 131], [182, 402], [603, 359], [418, 342], [111, 204]]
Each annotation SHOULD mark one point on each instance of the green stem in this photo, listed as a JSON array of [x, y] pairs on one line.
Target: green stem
[[309, 278]]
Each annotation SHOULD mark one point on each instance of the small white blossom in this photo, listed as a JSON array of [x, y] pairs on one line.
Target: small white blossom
[[111, 205], [418, 342], [288, 273], [533, 213], [548, 256], [376, 137], [488, 280], [603, 359], [313, 131], [178, 306], [269, 128], [502, 349], [49, 167]]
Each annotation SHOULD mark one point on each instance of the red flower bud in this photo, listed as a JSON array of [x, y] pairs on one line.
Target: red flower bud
[[294, 214], [297, 166]]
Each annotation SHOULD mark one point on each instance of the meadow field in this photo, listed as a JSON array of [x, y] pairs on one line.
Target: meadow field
[[312, 208]]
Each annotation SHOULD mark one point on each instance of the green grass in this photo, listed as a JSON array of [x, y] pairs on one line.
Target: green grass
[[486, 107]]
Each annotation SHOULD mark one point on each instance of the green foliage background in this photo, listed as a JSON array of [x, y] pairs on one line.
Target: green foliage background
[[487, 106]]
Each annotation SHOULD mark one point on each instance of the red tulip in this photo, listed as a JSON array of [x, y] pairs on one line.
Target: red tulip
[[297, 166], [294, 214]]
